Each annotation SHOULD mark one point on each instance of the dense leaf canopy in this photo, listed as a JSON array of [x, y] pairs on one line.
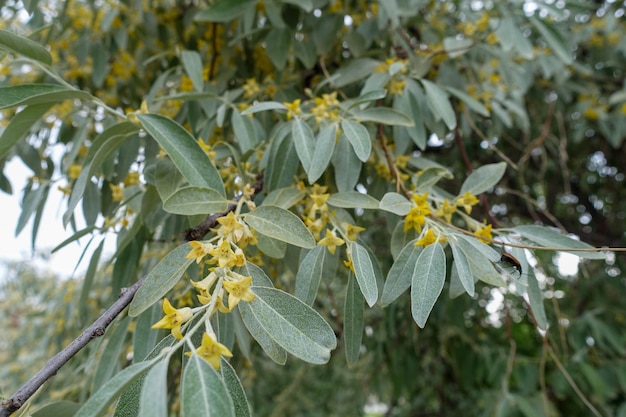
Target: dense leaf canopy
[[338, 207]]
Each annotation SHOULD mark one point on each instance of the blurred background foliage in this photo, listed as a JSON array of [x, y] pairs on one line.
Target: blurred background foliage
[[551, 76]]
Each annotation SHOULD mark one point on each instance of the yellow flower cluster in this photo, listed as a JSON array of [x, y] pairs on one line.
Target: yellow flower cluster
[[326, 108]]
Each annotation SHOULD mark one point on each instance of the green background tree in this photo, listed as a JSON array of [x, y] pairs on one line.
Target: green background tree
[[320, 193]]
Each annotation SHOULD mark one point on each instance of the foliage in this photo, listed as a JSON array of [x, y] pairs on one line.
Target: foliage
[[291, 178]]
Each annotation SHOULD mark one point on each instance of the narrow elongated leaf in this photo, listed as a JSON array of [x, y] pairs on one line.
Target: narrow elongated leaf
[[353, 199], [203, 393], [99, 402], [282, 163], [161, 279], [462, 266], [396, 204], [280, 224], [475, 249], [383, 115], [195, 200], [304, 140], [439, 103], [184, 151], [55, 409], [309, 275], [323, 152], [192, 62], [264, 106], [471, 102], [23, 46], [245, 132], [29, 94], [279, 41], [554, 39], [483, 178], [295, 326], [234, 387], [364, 272], [353, 321], [111, 354], [535, 298], [224, 10], [400, 274], [21, 123], [284, 197], [89, 277], [427, 282], [277, 353], [346, 164], [359, 138], [153, 402], [550, 238]]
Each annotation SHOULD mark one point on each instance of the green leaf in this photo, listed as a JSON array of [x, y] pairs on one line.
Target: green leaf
[[92, 268], [304, 140], [535, 298], [455, 47], [245, 132], [395, 203], [161, 279], [235, 389], [23, 46], [282, 163], [109, 358], [203, 393], [483, 178], [102, 147], [195, 200], [309, 275], [383, 115], [429, 177], [399, 275], [19, 125], [353, 199], [153, 401], [278, 46], [295, 326], [366, 98], [184, 151], [439, 103], [475, 249], [471, 102], [192, 62], [554, 39], [98, 403], [511, 37], [462, 266], [263, 106], [224, 10], [427, 282], [359, 138], [364, 272], [29, 94], [284, 197], [280, 224], [56, 409], [271, 247], [323, 152], [545, 236], [346, 164], [353, 321], [261, 335], [355, 70], [73, 238]]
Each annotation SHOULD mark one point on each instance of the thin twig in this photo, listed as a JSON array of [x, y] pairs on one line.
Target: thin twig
[[55, 363]]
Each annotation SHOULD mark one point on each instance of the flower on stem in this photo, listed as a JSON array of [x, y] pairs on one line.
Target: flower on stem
[[238, 290], [331, 241], [173, 318], [223, 254], [352, 231], [429, 238], [230, 225], [485, 233], [416, 218], [117, 193], [212, 351], [446, 210], [466, 201], [199, 250], [293, 109]]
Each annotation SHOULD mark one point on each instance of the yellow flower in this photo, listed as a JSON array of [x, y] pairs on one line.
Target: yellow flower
[[117, 194], [467, 200], [212, 351], [348, 264], [293, 108], [331, 241], [132, 178], [230, 225], [485, 232], [238, 290], [429, 238], [319, 202], [74, 171], [207, 149], [352, 231], [199, 250], [205, 285], [173, 319], [446, 210], [223, 254], [251, 88]]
